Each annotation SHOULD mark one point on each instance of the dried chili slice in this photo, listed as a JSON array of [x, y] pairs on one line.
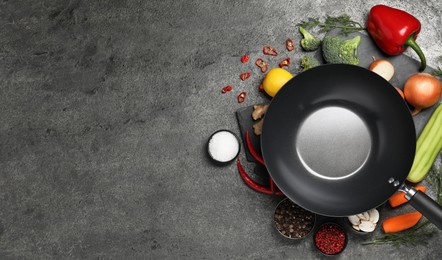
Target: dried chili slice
[[242, 97], [244, 76], [264, 66], [267, 50], [261, 88], [226, 89], [285, 62], [245, 58], [289, 44]]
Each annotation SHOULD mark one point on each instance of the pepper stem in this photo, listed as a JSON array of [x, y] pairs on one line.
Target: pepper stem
[[410, 42]]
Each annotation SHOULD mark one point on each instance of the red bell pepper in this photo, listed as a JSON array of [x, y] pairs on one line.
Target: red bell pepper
[[394, 30]]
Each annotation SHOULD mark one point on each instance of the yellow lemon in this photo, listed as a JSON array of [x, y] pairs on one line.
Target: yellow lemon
[[274, 80]]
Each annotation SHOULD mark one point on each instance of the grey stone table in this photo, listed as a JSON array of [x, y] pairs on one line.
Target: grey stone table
[[105, 108]]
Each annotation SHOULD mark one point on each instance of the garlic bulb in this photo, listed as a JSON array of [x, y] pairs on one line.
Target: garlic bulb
[[365, 221]]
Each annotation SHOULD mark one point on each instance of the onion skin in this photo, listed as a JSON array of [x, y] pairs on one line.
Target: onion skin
[[422, 90], [400, 92]]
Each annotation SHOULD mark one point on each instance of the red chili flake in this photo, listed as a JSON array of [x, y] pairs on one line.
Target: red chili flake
[[267, 50], [330, 239], [244, 76], [284, 63], [261, 88], [289, 44], [242, 97], [264, 66], [245, 58], [226, 89]]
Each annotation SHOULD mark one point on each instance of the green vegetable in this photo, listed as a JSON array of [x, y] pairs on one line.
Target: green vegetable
[[309, 42], [343, 22], [308, 62], [338, 50], [428, 147]]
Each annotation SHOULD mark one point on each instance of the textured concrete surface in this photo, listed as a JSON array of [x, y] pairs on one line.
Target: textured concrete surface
[[105, 110]]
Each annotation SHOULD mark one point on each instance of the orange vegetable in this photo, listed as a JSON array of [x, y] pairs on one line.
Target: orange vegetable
[[401, 222], [399, 198]]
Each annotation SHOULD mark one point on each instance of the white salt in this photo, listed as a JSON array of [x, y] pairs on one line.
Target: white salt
[[223, 146]]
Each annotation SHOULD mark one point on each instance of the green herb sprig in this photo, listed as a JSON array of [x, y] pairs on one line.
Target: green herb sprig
[[434, 178], [343, 22], [419, 234], [438, 72]]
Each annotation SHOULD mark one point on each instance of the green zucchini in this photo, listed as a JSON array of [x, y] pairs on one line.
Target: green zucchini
[[428, 146]]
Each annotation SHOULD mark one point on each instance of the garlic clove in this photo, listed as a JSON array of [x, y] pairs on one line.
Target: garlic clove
[[366, 215], [367, 226], [356, 227], [374, 215], [354, 220], [361, 216]]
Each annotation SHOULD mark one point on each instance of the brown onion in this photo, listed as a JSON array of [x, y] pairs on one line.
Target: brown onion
[[422, 90]]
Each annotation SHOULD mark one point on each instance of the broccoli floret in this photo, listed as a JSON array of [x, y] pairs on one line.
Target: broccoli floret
[[309, 42], [308, 62], [338, 50]]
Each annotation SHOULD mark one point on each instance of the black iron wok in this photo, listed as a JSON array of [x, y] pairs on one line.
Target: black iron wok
[[339, 140]]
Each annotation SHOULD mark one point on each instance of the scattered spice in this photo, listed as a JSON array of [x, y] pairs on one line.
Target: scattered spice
[[244, 76], [242, 97], [284, 63], [245, 58], [330, 239], [264, 66], [261, 88], [226, 89], [292, 221], [289, 44], [267, 50]]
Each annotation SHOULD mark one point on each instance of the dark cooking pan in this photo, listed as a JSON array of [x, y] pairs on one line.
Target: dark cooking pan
[[339, 140]]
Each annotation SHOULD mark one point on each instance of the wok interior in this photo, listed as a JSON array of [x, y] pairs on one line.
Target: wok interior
[[335, 136]]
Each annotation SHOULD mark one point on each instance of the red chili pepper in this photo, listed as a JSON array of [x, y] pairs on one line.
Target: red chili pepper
[[242, 97], [226, 89], [261, 88], [285, 62], [245, 58], [267, 50], [289, 44], [264, 66], [252, 150], [244, 76], [394, 30], [254, 185], [275, 190]]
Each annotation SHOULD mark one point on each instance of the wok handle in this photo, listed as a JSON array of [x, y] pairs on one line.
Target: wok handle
[[427, 206]]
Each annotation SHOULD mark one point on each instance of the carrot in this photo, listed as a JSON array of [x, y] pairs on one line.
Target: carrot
[[401, 222], [399, 198]]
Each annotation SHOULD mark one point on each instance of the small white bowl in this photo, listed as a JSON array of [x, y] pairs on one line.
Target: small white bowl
[[223, 146]]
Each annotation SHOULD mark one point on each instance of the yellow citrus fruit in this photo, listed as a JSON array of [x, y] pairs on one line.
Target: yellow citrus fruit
[[274, 80]]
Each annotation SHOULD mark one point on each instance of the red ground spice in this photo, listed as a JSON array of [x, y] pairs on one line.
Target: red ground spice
[[330, 239]]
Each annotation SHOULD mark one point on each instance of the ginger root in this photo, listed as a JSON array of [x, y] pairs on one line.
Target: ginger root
[[259, 111], [257, 127]]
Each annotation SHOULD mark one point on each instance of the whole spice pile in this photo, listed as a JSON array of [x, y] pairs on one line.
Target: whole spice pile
[[330, 239], [292, 221]]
